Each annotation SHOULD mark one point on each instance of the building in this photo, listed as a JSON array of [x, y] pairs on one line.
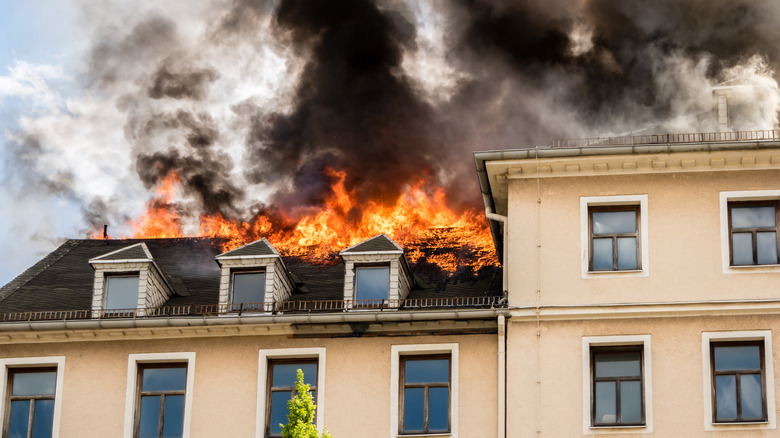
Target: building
[[643, 284], [639, 296], [178, 338]]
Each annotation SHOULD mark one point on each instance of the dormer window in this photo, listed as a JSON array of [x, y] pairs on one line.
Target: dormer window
[[121, 292], [372, 284], [248, 290]]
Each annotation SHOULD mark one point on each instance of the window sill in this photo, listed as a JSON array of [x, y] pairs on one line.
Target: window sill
[[615, 274], [741, 423], [422, 435], [750, 269], [618, 426]]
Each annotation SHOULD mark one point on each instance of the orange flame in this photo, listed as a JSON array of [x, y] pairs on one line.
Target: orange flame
[[420, 222]]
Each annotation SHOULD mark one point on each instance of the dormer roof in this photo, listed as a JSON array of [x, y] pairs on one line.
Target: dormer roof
[[257, 249], [133, 253], [380, 244]]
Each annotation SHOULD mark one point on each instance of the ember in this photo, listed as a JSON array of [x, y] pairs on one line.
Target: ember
[[419, 221]]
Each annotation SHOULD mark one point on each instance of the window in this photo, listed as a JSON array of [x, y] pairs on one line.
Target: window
[[739, 376], [282, 374], [424, 390], [277, 370], [738, 379], [753, 233], [159, 395], [30, 401], [121, 292], [248, 290], [372, 284], [160, 401], [425, 395], [617, 386], [32, 396], [614, 238]]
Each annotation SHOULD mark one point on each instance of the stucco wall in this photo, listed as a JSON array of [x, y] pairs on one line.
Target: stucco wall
[[225, 387]]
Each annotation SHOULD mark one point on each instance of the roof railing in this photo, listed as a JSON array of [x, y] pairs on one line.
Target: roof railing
[[692, 137], [244, 309]]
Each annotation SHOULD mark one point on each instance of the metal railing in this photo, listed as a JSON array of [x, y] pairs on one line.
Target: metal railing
[[291, 307], [694, 137]]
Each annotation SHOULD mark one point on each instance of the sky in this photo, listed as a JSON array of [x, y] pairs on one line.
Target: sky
[[254, 103]]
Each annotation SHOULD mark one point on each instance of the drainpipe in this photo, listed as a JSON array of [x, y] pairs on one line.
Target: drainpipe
[[501, 376]]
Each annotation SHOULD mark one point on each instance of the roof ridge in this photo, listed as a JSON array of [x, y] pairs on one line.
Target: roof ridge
[[37, 268]]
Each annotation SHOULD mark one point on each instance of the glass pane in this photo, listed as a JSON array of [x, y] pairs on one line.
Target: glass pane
[[414, 400], [149, 425], [44, 419], [248, 287], [725, 398], [41, 383], [121, 292], [602, 254], [742, 248], [427, 371], [279, 410], [626, 247], [630, 402], [743, 357], [173, 422], [752, 217], [438, 409], [618, 364], [372, 283], [751, 399], [766, 246], [164, 379], [612, 222], [606, 403], [19, 417], [285, 374]]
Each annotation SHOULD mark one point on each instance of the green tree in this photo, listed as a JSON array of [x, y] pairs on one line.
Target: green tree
[[300, 420]]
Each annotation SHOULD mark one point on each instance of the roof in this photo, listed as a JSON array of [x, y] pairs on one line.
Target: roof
[[377, 244], [64, 279], [258, 248], [138, 252]]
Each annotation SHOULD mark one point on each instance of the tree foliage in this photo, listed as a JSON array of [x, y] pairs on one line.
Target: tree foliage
[[300, 420]]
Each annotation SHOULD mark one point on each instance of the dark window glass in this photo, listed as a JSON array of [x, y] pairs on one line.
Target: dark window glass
[[282, 375], [31, 402], [121, 292], [738, 381], [618, 398], [248, 288], [160, 409], [372, 283], [753, 230], [425, 394], [614, 238]]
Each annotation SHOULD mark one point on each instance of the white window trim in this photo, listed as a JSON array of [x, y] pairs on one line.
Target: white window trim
[[647, 368], [725, 248], [396, 351], [132, 380], [22, 362], [262, 381], [757, 335], [596, 201]]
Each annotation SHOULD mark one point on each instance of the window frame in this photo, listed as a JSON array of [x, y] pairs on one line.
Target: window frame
[[755, 203], [396, 354], [56, 363], [638, 202], [614, 236], [616, 343], [738, 337], [402, 386], [761, 371], [294, 354], [140, 392], [270, 388], [369, 303], [595, 350], [106, 280], [239, 307], [728, 198], [132, 401]]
